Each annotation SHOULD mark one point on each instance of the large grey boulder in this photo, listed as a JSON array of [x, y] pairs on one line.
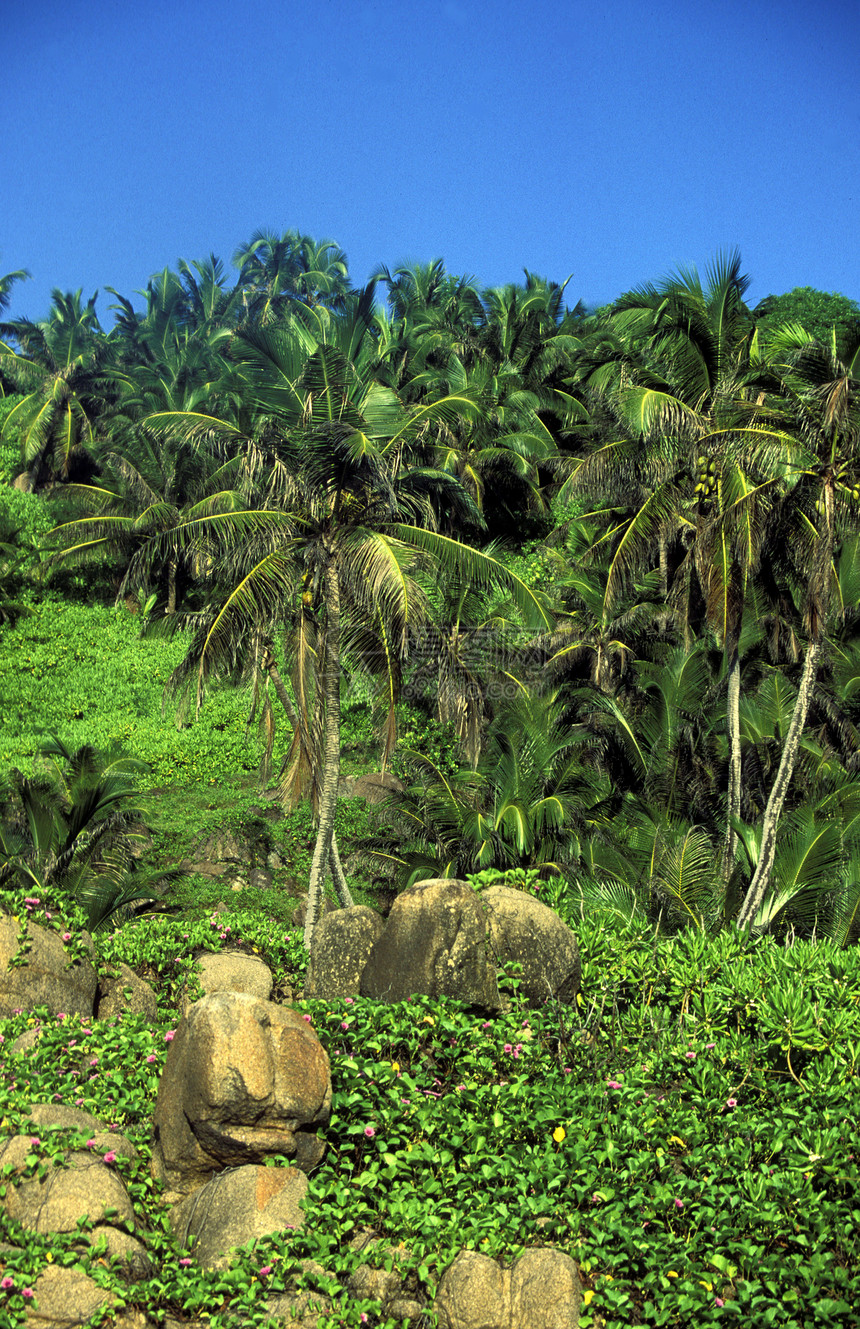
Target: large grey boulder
[[122, 991], [76, 1184], [62, 1116], [546, 1292], [473, 1293], [435, 943], [65, 1298], [340, 950], [40, 971], [232, 971], [244, 1079], [236, 1207], [541, 1291], [528, 932]]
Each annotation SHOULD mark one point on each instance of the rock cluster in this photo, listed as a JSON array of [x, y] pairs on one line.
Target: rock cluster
[[443, 939], [246, 1082]]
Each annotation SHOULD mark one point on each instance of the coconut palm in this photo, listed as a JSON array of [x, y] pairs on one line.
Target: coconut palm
[[695, 480], [822, 395], [7, 282], [277, 272], [59, 369], [345, 526], [133, 513]]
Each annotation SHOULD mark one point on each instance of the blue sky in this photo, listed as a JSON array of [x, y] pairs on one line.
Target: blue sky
[[610, 141]]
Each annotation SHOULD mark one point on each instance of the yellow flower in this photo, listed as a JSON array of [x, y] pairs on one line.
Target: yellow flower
[[558, 1134], [395, 1065], [428, 1019], [709, 1287], [671, 1273], [588, 1297]]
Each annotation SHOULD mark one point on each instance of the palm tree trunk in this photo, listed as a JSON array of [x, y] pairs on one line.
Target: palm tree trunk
[[331, 752], [341, 886], [171, 586], [270, 665], [733, 724], [761, 876]]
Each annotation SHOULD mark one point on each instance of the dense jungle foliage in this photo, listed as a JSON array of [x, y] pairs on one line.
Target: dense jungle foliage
[[613, 558], [588, 585]]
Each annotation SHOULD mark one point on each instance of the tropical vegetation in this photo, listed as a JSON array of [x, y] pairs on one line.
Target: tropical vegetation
[[585, 587]]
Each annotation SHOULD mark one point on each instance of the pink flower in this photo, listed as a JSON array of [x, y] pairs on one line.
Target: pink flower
[[614, 1084], [110, 1156], [486, 1024], [679, 1204], [170, 1035], [718, 1301], [344, 1024], [348, 1001], [6, 1283], [362, 1319], [265, 1270], [369, 1132], [710, 1045], [34, 1139], [307, 1019], [689, 1055], [731, 1102], [27, 1292], [508, 1048], [458, 1088], [91, 1144], [151, 1058], [185, 1263], [67, 936]]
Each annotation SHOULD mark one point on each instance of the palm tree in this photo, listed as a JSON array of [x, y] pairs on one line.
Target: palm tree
[[347, 523], [593, 628], [680, 366], [7, 282], [822, 394], [533, 801], [58, 368], [435, 317], [71, 835], [658, 868], [133, 513], [276, 272]]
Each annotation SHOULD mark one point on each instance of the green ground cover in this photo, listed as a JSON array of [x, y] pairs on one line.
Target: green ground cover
[[687, 1133]]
